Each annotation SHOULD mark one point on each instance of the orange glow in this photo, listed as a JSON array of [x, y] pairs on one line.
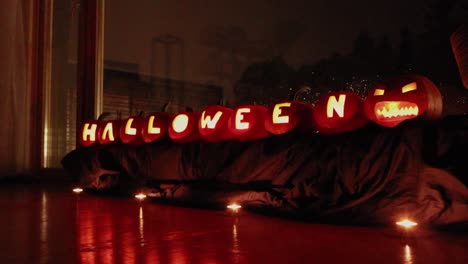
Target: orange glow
[[129, 130], [108, 132], [151, 128], [406, 223], [239, 117], [77, 190], [89, 131], [379, 92], [234, 207], [277, 119], [409, 87], [140, 196], [338, 106], [180, 123], [206, 121], [395, 110]]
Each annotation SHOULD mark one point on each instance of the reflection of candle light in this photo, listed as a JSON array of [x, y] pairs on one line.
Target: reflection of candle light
[[406, 223], [408, 257], [140, 196], [77, 190], [141, 225], [234, 207]]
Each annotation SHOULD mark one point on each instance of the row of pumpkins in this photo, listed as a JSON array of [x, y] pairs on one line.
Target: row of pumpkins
[[389, 103]]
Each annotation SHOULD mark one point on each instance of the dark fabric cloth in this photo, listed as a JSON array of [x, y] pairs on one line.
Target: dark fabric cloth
[[373, 175]]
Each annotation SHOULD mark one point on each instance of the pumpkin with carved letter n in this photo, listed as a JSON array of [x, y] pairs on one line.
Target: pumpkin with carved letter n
[[395, 100], [339, 112], [247, 122], [183, 127], [213, 123], [289, 116], [155, 126], [109, 132]]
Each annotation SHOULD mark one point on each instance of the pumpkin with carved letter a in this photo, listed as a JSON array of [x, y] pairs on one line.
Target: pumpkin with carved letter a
[[288, 116], [338, 112], [213, 123], [395, 100], [109, 132], [247, 122], [184, 127]]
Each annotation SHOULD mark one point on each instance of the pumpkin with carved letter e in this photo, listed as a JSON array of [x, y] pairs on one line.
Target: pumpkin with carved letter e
[[395, 100], [338, 112], [247, 122], [289, 116]]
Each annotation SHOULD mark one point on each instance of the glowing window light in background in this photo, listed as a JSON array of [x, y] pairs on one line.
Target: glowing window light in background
[[406, 223]]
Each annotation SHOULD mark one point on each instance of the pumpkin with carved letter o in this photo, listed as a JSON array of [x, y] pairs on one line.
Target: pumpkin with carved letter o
[[130, 130], [213, 123], [288, 116], [339, 112], [89, 133], [395, 100], [109, 132], [155, 126], [247, 122], [183, 127]]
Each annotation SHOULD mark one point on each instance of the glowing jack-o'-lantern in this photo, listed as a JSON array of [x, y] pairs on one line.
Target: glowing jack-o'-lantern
[[108, 132], [184, 127], [247, 122], [288, 116], [130, 130], [338, 112], [155, 126], [398, 99], [89, 133], [213, 123]]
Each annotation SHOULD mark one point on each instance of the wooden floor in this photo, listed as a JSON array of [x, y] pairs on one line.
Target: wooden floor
[[50, 224]]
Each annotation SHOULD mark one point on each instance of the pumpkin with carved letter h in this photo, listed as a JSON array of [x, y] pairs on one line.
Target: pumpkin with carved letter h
[[338, 112], [395, 100]]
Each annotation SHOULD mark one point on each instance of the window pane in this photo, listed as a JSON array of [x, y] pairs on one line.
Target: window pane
[[61, 93]]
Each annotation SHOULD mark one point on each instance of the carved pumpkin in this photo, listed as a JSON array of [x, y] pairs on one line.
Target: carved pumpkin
[[338, 112], [130, 130], [89, 133], [405, 97], [288, 116], [247, 122], [155, 126], [184, 127], [109, 132], [213, 123]]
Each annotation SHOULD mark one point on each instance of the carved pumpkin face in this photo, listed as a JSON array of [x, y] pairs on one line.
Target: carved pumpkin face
[[406, 97], [338, 112]]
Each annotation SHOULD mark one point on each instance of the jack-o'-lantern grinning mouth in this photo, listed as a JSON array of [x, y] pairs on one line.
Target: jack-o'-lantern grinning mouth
[[395, 110]]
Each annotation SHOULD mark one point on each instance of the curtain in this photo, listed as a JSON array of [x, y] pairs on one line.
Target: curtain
[[15, 90]]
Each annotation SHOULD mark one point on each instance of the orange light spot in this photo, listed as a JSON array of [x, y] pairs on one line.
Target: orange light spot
[[140, 196], [234, 207], [409, 87], [77, 190]]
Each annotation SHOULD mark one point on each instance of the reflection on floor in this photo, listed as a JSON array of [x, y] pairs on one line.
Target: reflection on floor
[[55, 225]]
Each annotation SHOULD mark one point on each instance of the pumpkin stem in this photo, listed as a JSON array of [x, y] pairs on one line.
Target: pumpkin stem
[[142, 113], [165, 106], [103, 115]]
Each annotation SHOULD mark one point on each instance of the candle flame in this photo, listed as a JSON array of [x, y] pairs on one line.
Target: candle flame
[[77, 190], [140, 196], [406, 223], [234, 206]]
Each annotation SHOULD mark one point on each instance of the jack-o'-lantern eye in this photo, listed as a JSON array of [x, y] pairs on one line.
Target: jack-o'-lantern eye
[[379, 92], [409, 87]]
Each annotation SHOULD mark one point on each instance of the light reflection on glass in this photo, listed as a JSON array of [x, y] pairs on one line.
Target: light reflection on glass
[[141, 224], [408, 256]]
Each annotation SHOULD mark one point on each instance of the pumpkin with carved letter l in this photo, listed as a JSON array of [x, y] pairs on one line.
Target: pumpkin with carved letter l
[[395, 100]]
